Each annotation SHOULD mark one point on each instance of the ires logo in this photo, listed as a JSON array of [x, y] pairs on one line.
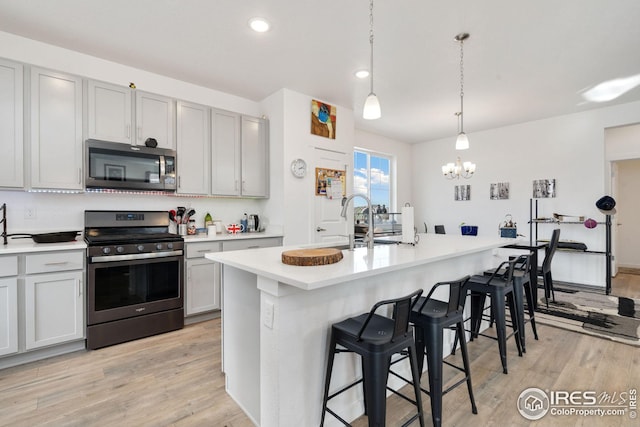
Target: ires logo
[[574, 398]]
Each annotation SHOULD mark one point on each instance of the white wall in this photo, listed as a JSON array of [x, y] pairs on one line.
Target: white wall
[[570, 149], [293, 111]]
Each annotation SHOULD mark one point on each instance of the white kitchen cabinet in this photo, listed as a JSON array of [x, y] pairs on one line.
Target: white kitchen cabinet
[[255, 157], [155, 117], [54, 306], [239, 155], [8, 305], [11, 125], [109, 113], [53, 298], [193, 146], [202, 279], [56, 130], [225, 153], [267, 242]]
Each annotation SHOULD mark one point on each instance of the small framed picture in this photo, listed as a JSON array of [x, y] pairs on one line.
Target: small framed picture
[[499, 191], [544, 188], [114, 172], [462, 192]]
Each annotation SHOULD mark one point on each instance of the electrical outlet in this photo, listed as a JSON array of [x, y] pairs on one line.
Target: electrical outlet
[[267, 315], [29, 213]]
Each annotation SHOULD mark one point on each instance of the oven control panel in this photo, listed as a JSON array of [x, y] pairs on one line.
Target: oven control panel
[[135, 248]]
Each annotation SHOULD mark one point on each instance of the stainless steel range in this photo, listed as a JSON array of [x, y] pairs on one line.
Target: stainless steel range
[[134, 276]]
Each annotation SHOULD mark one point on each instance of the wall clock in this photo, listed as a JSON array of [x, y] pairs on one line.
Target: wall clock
[[299, 168]]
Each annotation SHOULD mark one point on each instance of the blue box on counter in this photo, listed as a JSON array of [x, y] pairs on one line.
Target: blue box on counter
[[469, 230], [511, 232]]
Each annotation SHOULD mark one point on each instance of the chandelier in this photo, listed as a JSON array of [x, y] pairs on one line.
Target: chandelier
[[458, 169]]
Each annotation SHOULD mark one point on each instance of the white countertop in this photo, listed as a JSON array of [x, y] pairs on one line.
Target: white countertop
[[226, 237], [356, 264], [17, 246]]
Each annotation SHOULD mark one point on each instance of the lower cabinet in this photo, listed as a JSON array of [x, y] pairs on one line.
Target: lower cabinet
[[203, 278], [54, 306], [202, 281], [8, 316]]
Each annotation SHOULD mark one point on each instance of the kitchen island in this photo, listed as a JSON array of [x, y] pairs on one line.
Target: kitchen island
[[276, 318]]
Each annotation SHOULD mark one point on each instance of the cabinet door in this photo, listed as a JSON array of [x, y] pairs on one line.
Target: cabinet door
[[54, 307], [11, 122], [8, 316], [255, 157], [56, 130], [155, 115], [109, 112], [193, 145], [225, 153], [202, 290]]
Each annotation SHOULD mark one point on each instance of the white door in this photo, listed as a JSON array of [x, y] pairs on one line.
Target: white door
[[109, 112], [8, 316], [154, 119], [11, 124], [328, 225], [193, 148]]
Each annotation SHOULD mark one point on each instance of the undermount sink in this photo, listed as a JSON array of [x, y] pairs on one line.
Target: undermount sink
[[360, 244]]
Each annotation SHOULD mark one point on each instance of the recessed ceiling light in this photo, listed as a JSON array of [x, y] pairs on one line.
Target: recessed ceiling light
[[362, 74], [259, 25]]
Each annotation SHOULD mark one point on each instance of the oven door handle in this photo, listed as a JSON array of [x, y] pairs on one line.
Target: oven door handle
[[132, 257]]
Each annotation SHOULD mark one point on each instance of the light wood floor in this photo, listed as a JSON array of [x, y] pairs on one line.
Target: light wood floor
[[174, 379]]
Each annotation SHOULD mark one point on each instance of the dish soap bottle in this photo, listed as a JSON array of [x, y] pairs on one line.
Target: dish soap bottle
[[245, 223], [208, 220]]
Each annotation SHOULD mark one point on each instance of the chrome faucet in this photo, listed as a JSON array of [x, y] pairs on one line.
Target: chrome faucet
[[345, 205]]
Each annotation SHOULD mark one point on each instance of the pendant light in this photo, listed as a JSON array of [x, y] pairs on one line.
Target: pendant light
[[371, 109], [462, 142]]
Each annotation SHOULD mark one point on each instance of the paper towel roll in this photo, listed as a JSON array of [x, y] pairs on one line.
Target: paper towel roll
[[408, 233]]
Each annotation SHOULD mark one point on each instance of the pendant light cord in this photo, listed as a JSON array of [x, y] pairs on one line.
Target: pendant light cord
[[461, 85], [371, 41]]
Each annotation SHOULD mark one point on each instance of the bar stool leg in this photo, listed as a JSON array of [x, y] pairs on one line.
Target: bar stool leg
[[518, 289], [433, 336], [327, 380], [529, 292], [375, 370], [498, 308], [513, 309], [415, 374], [466, 363]]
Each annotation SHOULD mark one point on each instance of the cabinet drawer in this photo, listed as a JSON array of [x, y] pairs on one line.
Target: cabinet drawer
[[8, 266], [251, 244], [54, 261], [197, 250]]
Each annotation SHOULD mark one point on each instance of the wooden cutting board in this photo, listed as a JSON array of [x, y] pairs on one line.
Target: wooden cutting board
[[311, 257]]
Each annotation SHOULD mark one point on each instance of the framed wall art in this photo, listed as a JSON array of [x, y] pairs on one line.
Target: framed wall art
[[323, 119], [499, 191], [462, 192], [544, 188]]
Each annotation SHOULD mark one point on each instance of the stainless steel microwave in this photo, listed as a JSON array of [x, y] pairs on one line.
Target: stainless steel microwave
[[112, 165]]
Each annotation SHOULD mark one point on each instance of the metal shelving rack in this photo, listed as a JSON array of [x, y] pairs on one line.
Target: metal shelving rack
[[534, 221]]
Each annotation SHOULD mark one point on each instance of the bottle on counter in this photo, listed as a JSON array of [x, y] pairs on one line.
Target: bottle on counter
[[191, 227], [208, 220], [245, 223]]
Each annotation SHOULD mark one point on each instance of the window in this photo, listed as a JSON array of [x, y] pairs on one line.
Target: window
[[371, 177]]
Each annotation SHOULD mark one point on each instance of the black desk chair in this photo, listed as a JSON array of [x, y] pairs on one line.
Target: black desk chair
[[376, 338], [499, 287], [439, 229], [430, 318], [545, 270]]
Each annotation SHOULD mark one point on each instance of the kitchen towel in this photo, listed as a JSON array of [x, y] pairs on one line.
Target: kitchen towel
[[408, 231]]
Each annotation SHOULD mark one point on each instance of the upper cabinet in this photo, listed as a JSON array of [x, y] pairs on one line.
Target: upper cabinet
[[255, 157], [110, 115], [239, 155], [11, 122], [56, 130], [155, 116], [193, 141]]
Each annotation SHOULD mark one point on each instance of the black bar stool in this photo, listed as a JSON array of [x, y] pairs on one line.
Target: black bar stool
[[430, 318], [376, 338], [522, 283], [499, 287]]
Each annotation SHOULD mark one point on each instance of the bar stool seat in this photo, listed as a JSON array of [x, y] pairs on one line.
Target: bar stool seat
[[499, 288], [376, 339], [430, 318]]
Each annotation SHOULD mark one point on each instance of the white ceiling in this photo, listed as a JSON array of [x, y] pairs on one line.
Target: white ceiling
[[525, 60]]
